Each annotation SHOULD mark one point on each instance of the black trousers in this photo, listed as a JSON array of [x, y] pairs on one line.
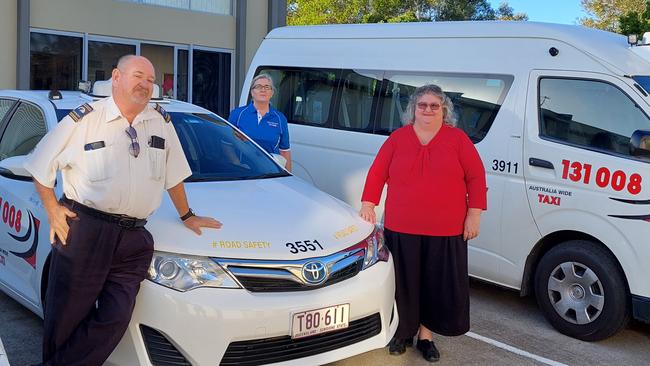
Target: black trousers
[[92, 285], [432, 283]]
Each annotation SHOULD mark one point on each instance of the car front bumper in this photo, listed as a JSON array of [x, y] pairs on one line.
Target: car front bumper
[[201, 324]]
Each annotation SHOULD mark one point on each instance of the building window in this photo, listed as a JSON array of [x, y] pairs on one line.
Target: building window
[[211, 81], [163, 59], [181, 74], [223, 7], [103, 57], [55, 61]]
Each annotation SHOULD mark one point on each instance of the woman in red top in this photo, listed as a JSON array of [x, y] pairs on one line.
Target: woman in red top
[[436, 192]]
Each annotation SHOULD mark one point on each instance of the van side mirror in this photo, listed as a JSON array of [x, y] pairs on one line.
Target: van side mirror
[[12, 168], [640, 143]]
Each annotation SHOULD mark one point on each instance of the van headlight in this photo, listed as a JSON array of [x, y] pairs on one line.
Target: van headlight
[[187, 272], [376, 250]]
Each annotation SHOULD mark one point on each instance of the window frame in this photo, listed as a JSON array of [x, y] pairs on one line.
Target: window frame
[[578, 146]]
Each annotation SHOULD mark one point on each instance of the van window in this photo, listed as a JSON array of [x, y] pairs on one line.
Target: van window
[[589, 113], [358, 96], [477, 99], [374, 101], [305, 96]]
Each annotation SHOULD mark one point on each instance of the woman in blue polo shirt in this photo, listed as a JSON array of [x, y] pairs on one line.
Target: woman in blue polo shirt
[[260, 121]]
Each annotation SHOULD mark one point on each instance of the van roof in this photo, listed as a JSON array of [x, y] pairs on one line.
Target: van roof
[[610, 48]]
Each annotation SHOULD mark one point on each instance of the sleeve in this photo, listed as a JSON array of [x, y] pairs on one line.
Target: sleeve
[[234, 115], [284, 137], [43, 162], [177, 166], [474, 173], [378, 172]]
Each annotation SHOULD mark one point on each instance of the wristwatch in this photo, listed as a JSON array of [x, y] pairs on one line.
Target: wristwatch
[[189, 214]]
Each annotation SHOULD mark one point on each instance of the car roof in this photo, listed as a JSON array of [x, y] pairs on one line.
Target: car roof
[[73, 99]]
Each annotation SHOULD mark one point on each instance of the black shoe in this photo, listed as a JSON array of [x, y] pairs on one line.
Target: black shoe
[[429, 350], [397, 346]]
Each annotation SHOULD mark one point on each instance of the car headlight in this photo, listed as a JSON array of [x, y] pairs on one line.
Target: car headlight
[[187, 272], [376, 250]]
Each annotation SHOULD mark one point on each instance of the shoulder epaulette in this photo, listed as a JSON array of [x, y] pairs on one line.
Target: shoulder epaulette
[[78, 113], [163, 112]]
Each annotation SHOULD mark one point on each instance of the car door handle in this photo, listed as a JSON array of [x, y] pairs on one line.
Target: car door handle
[[540, 163]]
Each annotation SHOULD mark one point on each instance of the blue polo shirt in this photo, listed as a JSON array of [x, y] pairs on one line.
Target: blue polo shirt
[[271, 132]]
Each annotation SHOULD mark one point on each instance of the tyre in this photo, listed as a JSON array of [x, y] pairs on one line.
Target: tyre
[[581, 291]]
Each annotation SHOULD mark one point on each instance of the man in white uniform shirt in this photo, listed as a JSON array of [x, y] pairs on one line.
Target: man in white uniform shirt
[[116, 156]]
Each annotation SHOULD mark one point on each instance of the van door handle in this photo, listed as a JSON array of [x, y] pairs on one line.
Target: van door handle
[[540, 163]]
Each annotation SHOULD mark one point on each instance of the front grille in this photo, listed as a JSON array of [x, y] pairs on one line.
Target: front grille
[[160, 350], [279, 349], [262, 284]]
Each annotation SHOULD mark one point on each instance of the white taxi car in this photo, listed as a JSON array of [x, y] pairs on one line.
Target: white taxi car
[[293, 277]]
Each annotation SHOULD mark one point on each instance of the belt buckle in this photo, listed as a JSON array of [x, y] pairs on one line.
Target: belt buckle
[[126, 223]]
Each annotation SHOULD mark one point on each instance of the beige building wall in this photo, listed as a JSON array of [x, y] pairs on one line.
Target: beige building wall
[[256, 27], [132, 21], [8, 41]]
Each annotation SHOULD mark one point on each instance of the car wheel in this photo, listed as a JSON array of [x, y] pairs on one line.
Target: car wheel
[[581, 290]]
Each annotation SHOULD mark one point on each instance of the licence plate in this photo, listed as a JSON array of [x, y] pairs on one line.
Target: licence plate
[[312, 322]]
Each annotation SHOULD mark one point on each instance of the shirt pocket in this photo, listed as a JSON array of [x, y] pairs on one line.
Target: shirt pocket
[[96, 162], [157, 160]]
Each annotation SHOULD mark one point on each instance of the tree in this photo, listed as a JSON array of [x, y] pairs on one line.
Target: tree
[[304, 12], [463, 10], [636, 23], [506, 12], [605, 14]]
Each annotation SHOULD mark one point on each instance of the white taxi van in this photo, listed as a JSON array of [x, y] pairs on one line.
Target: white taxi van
[[293, 277], [559, 115]]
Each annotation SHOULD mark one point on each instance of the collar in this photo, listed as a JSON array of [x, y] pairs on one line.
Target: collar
[[254, 110], [113, 112]]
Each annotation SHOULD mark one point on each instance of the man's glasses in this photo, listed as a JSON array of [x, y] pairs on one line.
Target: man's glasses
[[134, 148], [423, 106], [262, 87]]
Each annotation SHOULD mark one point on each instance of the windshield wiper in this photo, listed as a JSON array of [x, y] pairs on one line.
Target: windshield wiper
[[269, 175]]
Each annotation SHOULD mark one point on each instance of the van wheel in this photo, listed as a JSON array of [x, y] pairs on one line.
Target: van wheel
[[581, 291]]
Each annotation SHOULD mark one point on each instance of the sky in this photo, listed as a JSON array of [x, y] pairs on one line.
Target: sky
[[552, 11]]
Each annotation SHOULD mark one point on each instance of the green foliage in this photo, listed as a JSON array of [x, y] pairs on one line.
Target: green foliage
[[635, 23], [305, 12], [506, 12], [606, 14]]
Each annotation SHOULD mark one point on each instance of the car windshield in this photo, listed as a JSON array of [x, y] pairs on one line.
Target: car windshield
[[216, 151], [644, 81]]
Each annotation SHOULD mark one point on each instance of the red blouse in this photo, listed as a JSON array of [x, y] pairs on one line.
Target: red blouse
[[430, 186]]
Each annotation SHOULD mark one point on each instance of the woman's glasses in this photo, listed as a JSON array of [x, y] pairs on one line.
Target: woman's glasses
[[134, 148], [423, 106], [262, 87]]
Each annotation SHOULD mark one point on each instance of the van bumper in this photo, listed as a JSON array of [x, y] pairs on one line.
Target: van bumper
[[641, 308]]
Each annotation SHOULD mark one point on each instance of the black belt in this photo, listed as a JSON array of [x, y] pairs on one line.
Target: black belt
[[123, 221]]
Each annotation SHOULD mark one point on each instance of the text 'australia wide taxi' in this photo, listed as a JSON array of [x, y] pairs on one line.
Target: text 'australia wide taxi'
[[294, 276]]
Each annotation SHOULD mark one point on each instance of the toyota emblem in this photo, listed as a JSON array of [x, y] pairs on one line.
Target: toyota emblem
[[314, 272]]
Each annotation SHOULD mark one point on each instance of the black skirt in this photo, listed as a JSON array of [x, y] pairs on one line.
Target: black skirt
[[432, 283]]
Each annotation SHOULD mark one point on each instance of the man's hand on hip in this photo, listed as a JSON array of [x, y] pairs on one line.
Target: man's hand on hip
[[58, 218], [195, 223]]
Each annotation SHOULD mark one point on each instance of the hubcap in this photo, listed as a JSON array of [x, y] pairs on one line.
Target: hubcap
[[576, 293]]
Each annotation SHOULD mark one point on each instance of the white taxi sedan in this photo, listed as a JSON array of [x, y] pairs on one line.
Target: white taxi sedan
[[293, 277]]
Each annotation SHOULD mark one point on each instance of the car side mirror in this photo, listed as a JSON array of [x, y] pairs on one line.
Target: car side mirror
[[12, 168], [280, 160], [640, 143]]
